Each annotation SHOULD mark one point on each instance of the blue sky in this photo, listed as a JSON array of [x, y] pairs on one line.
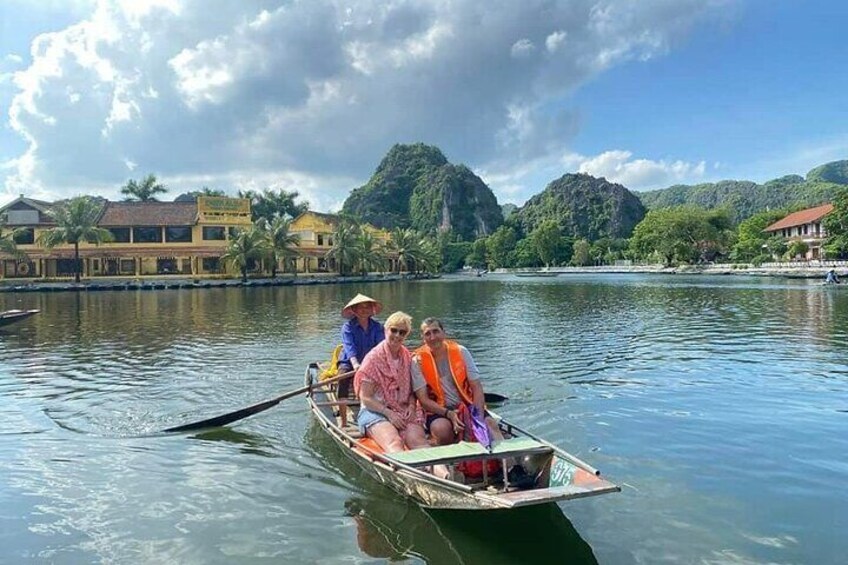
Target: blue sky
[[309, 96]]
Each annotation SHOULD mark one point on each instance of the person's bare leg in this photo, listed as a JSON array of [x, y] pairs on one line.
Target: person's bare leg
[[442, 430], [386, 436]]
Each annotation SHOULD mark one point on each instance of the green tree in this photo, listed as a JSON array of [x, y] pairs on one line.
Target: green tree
[[282, 244], [836, 226], [797, 249], [344, 249], [500, 247], [244, 247], [144, 191], [582, 253], [477, 257], [776, 246], [371, 255], [76, 221], [751, 238], [525, 254], [8, 244], [547, 239], [270, 204], [430, 255], [682, 234], [405, 243]]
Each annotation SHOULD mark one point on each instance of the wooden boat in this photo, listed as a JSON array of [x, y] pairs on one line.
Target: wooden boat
[[12, 316], [558, 475]]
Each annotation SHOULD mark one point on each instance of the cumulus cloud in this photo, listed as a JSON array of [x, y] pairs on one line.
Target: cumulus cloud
[[515, 183], [619, 166], [313, 92]]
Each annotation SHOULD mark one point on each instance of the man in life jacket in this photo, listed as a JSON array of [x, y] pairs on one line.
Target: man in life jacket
[[444, 376]]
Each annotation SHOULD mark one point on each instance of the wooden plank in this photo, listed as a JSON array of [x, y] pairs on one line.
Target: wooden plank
[[535, 496], [467, 451]]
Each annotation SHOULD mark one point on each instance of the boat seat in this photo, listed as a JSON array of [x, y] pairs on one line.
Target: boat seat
[[467, 451]]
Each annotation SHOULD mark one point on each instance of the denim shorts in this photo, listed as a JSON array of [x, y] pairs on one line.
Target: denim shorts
[[366, 418]]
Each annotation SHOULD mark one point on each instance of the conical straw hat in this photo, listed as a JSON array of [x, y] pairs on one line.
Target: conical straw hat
[[347, 311]]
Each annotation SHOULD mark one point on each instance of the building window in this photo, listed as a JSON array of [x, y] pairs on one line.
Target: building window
[[128, 266], [214, 233], [25, 236], [211, 264], [167, 266], [320, 240], [65, 267], [233, 232], [806, 229], [120, 235], [178, 234], [147, 234]]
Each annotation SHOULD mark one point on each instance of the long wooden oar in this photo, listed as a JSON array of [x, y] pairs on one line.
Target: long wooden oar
[[231, 417]]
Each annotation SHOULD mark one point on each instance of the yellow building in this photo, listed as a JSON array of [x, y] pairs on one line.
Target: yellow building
[[315, 231], [150, 238]]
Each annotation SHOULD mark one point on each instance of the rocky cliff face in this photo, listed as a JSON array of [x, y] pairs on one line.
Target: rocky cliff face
[[415, 186], [585, 207]]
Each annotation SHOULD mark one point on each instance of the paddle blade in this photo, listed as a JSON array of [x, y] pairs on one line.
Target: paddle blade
[[225, 419], [494, 398]]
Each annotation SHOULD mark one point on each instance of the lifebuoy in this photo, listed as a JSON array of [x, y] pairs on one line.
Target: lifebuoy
[[23, 268]]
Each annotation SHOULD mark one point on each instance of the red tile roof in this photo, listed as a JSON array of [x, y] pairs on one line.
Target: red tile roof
[[802, 217], [149, 214]]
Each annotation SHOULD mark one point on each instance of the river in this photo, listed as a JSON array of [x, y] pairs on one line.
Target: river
[[719, 404]]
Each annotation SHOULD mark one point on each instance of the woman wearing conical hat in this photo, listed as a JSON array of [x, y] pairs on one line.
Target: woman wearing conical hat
[[360, 333]]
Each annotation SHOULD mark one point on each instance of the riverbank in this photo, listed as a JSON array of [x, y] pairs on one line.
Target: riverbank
[[783, 270], [158, 283]]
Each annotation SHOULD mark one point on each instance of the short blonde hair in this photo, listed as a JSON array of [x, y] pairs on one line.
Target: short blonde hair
[[399, 320]]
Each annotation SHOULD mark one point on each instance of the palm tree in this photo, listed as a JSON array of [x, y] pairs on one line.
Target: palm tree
[[281, 242], [372, 257], [246, 246], [145, 191], [405, 243], [344, 249], [430, 255], [76, 221], [7, 241]]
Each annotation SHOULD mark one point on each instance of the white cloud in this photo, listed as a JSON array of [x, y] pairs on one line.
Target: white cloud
[[316, 92], [517, 183], [619, 166], [554, 41], [522, 48]]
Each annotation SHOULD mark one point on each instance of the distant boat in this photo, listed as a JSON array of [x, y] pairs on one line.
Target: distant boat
[[12, 316]]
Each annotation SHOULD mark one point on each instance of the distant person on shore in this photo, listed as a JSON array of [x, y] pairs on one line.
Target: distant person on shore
[[390, 414], [360, 333], [832, 277]]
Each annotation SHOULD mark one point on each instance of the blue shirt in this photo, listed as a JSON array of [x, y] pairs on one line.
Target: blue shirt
[[357, 342]]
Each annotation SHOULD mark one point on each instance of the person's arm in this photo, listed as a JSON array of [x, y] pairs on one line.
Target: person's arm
[[367, 393], [349, 346], [473, 374]]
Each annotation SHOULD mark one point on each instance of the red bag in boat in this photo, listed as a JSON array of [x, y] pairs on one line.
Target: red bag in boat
[[474, 469]]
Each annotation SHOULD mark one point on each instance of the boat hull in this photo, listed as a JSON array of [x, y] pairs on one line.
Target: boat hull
[[564, 476]]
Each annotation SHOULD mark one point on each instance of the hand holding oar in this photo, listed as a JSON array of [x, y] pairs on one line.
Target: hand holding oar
[[231, 417]]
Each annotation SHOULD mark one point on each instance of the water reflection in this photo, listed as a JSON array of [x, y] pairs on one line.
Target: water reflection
[[389, 526]]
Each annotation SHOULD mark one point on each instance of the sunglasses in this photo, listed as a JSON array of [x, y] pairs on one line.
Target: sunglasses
[[398, 331]]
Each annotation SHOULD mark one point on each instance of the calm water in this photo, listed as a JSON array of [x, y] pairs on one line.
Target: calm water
[[719, 404]]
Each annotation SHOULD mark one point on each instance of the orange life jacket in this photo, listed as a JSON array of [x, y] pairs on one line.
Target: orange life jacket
[[457, 368]]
